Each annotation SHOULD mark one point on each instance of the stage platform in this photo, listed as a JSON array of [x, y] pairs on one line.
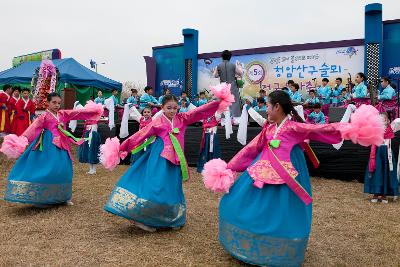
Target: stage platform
[[348, 163]]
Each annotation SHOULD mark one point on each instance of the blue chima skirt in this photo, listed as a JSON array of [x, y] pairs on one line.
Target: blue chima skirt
[[268, 226], [382, 181], [90, 154], [41, 177], [205, 154], [150, 191], [136, 156]]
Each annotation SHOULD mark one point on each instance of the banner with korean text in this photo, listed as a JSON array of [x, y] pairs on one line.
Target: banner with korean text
[[272, 71]]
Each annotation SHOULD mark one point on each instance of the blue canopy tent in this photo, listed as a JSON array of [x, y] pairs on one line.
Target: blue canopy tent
[[85, 81]]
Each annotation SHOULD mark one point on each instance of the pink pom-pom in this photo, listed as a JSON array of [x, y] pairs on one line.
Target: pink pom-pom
[[98, 108], [13, 146], [217, 177], [110, 154], [366, 127], [223, 92]]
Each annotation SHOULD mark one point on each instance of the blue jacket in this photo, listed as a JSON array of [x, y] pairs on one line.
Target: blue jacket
[[387, 93], [146, 98], [132, 100], [257, 108], [201, 102], [360, 91], [325, 94], [336, 93], [295, 97], [317, 118], [99, 100], [312, 101]]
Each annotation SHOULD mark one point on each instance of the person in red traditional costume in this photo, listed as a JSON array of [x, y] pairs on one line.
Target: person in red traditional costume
[[24, 113], [5, 96], [12, 110]]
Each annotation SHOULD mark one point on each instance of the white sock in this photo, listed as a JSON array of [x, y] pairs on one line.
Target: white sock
[[94, 167]]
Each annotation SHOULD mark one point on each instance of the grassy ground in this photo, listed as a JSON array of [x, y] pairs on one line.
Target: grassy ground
[[347, 229]]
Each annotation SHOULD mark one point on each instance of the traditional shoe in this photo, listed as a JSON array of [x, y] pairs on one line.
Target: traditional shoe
[[41, 206], [145, 227]]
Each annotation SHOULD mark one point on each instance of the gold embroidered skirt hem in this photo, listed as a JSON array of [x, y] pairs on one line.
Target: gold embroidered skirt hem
[[36, 193], [128, 205]]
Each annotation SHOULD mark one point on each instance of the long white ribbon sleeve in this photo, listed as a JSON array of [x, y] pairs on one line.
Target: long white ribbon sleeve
[[124, 132], [72, 124], [346, 118], [109, 104]]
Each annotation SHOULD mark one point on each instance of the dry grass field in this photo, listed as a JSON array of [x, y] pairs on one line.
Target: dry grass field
[[347, 229]]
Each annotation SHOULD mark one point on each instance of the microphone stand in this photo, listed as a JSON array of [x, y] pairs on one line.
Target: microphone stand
[[316, 89]]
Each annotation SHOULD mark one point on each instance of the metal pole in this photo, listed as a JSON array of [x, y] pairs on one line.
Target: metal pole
[[398, 97]]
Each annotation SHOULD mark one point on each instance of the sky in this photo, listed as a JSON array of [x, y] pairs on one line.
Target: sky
[[120, 32]]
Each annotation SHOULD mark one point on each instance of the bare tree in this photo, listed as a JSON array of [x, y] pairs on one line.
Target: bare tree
[[129, 85]]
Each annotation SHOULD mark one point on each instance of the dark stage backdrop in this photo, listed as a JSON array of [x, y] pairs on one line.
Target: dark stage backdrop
[[348, 163]]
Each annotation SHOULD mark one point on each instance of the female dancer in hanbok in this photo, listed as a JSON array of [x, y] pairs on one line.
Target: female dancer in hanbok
[[143, 119], [43, 173], [89, 151], [381, 178], [266, 217], [150, 193], [209, 145]]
